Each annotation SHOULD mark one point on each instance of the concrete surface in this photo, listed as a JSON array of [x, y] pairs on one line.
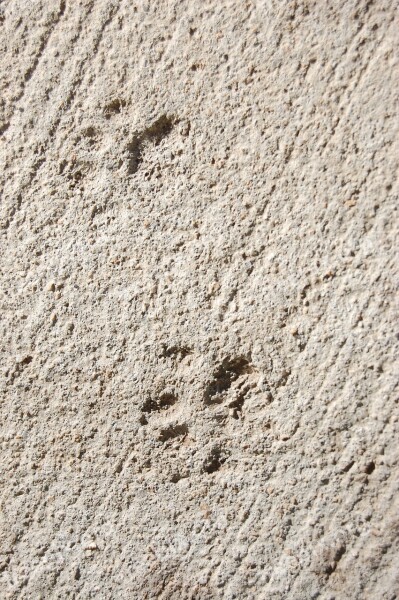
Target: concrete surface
[[198, 228]]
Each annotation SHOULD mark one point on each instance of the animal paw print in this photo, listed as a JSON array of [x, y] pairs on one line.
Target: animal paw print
[[230, 384], [160, 407]]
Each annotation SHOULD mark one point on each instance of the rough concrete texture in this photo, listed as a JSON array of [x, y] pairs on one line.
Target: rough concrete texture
[[198, 227]]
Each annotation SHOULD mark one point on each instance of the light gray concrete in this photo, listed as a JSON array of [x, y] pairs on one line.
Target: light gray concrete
[[198, 242]]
